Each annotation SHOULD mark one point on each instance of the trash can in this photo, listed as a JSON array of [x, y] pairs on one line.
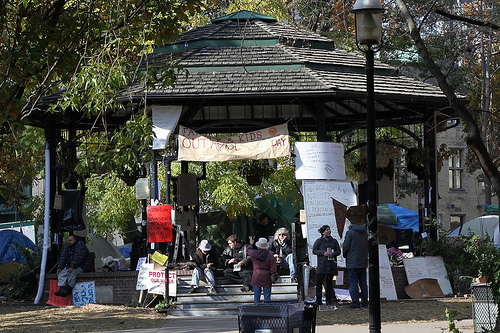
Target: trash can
[[484, 309], [271, 317], [310, 309]]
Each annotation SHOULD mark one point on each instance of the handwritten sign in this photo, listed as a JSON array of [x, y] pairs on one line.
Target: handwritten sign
[[319, 210], [142, 277], [319, 160], [84, 293], [387, 286], [160, 223], [165, 118], [270, 142], [428, 267]]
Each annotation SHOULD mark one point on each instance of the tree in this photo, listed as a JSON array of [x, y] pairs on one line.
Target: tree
[[86, 49], [474, 140]]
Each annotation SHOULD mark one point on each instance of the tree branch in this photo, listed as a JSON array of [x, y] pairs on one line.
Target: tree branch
[[467, 20]]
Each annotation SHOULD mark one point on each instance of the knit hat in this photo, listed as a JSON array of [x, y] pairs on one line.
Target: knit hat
[[262, 243], [205, 245]]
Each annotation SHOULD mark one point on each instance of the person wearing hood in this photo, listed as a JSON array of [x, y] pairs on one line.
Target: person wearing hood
[[75, 259], [326, 248], [264, 265], [355, 251]]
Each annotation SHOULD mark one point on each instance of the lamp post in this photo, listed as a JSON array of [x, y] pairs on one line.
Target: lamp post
[[368, 16]]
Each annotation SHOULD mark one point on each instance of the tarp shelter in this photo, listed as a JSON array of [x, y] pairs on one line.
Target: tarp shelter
[[397, 217], [482, 226], [12, 244]]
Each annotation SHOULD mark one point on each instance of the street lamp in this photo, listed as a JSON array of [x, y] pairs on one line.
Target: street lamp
[[368, 16]]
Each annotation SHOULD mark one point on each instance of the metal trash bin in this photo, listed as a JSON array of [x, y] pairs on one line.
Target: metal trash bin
[[310, 310], [484, 309], [271, 317]]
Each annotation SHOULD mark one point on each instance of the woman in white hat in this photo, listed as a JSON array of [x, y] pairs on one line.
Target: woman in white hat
[[264, 265], [205, 262]]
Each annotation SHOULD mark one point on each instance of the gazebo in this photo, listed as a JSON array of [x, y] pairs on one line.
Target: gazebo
[[248, 71]]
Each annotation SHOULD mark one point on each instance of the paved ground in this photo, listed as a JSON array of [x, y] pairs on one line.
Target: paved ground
[[230, 325]]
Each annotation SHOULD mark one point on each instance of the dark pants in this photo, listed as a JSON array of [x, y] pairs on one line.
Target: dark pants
[[329, 288], [244, 276], [357, 280]]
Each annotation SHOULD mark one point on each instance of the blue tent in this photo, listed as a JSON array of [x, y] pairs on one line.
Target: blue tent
[[397, 217], [11, 243]]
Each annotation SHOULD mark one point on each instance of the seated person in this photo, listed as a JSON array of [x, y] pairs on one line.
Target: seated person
[[281, 246], [237, 265], [74, 260], [205, 266]]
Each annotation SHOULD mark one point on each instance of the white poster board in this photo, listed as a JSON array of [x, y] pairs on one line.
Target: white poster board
[[387, 286], [84, 293], [428, 267], [154, 280], [319, 210], [165, 118], [319, 160]]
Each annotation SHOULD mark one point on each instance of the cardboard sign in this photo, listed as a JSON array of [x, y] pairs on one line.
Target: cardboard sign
[[160, 223], [142, 277], [84, 293], [319, 160]]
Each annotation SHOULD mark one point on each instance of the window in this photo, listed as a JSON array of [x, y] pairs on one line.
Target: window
[[456, 221], [456, 170]]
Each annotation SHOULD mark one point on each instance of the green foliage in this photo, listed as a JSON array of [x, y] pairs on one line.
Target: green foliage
[[162, 305], [109, 205], [484, 254], [451, 317]]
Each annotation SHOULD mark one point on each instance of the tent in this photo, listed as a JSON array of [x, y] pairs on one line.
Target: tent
[[397, 217], [11, 245], [481, 226], [102, 248]]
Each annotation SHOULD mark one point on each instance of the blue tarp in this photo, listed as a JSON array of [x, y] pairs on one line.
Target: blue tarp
[[11, 244], [406, 218]]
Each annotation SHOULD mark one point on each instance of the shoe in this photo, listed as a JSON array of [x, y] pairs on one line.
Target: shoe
[[63, 291], [294, 279], [192, 290], [245, 289], [212, 291]]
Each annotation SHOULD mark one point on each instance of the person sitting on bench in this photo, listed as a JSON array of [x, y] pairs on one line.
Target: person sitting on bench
[[74, 260]]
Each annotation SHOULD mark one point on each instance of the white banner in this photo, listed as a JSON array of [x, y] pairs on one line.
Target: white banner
[[265, 143], [165, 118]]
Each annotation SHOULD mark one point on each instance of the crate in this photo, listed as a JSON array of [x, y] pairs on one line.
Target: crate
[[485, 310], [271, 317]]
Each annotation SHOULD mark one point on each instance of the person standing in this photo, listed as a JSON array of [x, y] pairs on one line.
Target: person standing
[[75, 259], [205, 265], [264, 265], [263, 228], [326, 248], [238, 265], [356, 254], [281, 246]]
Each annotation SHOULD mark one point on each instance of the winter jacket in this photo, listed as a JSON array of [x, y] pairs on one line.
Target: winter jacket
[[356, 247], [76, 256], [264, 264], [237, 253], [320, 246], [201, 260], [282, 250]]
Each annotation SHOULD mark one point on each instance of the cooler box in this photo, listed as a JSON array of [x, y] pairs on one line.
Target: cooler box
[[271, 317]]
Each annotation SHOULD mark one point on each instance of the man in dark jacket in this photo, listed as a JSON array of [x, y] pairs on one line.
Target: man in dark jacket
[[356, 254], [205, 266], [75, 259], [237, 264]]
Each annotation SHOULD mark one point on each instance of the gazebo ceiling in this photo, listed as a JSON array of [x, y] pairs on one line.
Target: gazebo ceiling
[[247, 69]]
